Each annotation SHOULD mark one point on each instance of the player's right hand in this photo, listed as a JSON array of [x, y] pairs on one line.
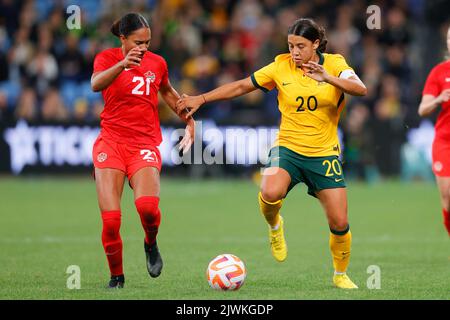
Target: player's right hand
[[444, 96], [133, 58]]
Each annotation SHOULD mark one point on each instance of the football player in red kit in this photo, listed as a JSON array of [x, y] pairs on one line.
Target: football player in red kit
[[130, 78], [437, 93]]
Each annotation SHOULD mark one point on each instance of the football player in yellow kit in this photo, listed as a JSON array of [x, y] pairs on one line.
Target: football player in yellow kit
[[311, 86]]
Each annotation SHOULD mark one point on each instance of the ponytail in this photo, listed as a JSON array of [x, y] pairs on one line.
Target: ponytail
[[115, 28], [323, 40]]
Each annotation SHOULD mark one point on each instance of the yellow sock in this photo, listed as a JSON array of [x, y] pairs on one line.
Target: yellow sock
[[340, 250], [270, 210]]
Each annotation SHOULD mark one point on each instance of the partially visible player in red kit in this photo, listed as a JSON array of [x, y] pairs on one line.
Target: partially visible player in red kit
[[130, 78], [437, 93]]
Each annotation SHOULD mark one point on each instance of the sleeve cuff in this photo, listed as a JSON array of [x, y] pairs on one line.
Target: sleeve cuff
[[256, 83]]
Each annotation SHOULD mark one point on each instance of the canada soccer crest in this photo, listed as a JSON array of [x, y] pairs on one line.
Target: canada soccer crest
[[150, 75], [438, 166], [102, 157]]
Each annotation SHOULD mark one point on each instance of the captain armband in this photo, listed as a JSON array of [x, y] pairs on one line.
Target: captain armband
[[346, 74]]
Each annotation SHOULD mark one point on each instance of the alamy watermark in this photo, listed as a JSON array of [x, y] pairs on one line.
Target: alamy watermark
[[374, 280], [224, 145], [74, 19], [374, 20], [74, 279]]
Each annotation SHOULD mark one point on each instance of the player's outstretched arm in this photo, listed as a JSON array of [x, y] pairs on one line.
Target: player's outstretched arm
[[430, 103], [102, 79], [171, 96], [227, 91]]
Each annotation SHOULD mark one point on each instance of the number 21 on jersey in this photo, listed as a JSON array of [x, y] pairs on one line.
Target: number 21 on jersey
[[141, 81], [148, 155]]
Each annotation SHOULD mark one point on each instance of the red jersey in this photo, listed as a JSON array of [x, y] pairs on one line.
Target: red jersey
[[437, 81], [130, 114]]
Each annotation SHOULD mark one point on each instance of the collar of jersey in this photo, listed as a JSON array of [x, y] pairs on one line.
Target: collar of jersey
[[321, 57]]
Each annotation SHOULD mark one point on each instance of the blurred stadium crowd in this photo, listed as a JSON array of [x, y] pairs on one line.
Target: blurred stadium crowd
[[45, 68]]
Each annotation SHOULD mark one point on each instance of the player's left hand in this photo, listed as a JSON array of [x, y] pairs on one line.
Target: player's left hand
[[189, 103], [315, 71], [189, 136]]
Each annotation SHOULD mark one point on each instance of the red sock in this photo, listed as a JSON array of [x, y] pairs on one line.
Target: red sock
[[112, 243], [446, 215], [150, 214]]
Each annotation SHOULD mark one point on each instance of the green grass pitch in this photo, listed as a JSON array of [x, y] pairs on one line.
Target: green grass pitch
[[48, 224]]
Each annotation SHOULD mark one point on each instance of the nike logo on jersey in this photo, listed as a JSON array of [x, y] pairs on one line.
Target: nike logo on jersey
[[127, 69], [337, 180], [285, 83]]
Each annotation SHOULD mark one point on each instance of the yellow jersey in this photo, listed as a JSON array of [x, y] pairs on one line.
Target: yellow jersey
[[309, 109]]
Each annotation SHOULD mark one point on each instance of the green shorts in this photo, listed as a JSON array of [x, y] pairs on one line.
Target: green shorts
[[317, 173]]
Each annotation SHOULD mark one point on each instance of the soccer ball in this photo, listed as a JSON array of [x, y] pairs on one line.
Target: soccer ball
[[226, 272]]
